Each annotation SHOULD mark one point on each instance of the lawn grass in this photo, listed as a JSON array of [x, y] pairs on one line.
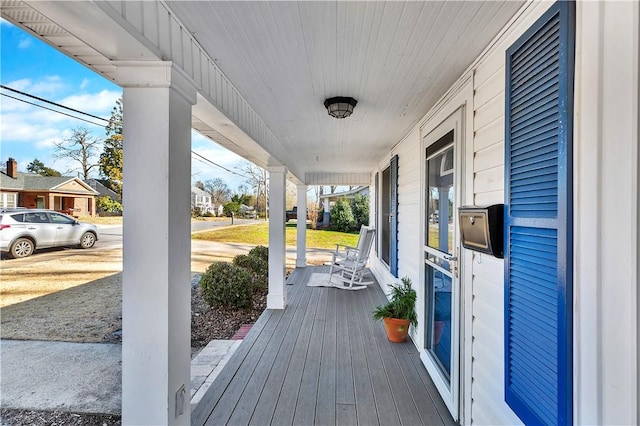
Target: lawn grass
[[258, 234]]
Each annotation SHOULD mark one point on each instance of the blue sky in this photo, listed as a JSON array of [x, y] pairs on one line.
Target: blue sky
[[27, 132]]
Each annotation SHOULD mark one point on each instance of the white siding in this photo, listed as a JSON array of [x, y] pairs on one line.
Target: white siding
[[485, 300], [409, 223], [487, 305]]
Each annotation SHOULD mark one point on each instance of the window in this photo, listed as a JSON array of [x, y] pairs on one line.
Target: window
[[8, 200], [58, 218], [538, 220], [38, 217], [389, 216]]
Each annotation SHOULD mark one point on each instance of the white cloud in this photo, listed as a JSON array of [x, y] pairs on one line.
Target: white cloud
[[25, 43], [84, 84], [49, 85], [21, 84], [97, 103]]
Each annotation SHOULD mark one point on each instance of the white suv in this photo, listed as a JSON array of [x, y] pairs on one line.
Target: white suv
[[24, 230]]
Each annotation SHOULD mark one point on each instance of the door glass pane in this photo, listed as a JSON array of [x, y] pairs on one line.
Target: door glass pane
[[440, 201], [439, 315]]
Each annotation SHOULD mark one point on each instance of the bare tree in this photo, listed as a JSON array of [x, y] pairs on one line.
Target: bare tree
[[219, 191], [80, 148], [257, 180]]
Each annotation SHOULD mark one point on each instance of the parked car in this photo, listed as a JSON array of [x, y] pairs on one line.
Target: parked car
[[24, 230], [291, 214]]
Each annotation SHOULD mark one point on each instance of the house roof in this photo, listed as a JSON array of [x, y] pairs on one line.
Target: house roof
[[35, 182], [200, 192], [101, 189], [356, 190]]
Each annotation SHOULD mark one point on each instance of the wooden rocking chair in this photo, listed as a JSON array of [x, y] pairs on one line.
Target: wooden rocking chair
[[349, 263]]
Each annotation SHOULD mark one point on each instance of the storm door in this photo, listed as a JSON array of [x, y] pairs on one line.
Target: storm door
[[441, 350]]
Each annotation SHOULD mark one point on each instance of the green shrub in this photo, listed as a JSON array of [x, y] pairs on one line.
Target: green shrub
[[227, 285], [260, 252], [231, 207], [257, 264], [256, 267], [342, 216], [360, 210], [107, 204]]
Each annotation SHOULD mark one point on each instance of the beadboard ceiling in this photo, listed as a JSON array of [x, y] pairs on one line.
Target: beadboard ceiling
[[396, 58], [284, 58]]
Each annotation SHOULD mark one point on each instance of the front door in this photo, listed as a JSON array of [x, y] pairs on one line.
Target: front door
[[441, 352]]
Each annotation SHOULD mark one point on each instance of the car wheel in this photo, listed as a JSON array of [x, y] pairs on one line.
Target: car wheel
[[22, 247], [87, 240]]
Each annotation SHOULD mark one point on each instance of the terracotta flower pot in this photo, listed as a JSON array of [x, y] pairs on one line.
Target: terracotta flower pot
[[397, 329]]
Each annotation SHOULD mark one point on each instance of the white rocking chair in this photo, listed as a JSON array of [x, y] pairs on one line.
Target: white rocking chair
[[349, 263]]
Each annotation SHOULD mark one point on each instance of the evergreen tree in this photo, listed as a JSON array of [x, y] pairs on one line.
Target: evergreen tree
[[111, 157], [37, 166]]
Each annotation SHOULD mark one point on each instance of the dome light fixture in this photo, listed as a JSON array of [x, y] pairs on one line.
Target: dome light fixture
[[340, 107]]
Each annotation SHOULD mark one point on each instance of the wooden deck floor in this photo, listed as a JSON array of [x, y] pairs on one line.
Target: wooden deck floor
[[322, 361]]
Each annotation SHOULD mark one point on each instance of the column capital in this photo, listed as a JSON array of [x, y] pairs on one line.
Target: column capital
[[155, 74], [277, 169]]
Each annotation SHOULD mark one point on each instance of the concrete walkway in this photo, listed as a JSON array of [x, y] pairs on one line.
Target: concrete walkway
[[85, 377]]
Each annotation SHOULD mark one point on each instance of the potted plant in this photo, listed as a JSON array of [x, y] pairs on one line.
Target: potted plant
[[400, 312]]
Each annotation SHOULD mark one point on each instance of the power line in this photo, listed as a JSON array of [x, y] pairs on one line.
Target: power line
[[51, 109], [217, 165], [53, 103], [202, 159]]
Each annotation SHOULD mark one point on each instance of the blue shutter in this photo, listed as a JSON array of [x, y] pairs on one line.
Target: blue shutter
[[538, 220], [393, 206], [375, 203]]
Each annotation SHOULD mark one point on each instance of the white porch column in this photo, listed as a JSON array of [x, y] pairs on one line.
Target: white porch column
[[277, 297], [301, 246], [607, 203], [326, 217], [156, 308]]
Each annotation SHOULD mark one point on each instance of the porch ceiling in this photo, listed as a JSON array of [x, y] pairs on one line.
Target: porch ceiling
[[396, 58], [284, 58]]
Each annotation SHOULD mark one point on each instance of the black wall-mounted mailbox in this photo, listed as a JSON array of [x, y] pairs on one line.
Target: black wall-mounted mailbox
[[481, 228]]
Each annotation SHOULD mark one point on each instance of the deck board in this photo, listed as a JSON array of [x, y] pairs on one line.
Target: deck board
[[324, 361]]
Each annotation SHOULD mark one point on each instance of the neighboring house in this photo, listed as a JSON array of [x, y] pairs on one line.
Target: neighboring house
[[201, 199], [328, 200], [531, 105], [65, 194], [102, 190]]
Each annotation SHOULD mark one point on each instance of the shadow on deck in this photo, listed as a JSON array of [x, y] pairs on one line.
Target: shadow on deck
[[324, 361]]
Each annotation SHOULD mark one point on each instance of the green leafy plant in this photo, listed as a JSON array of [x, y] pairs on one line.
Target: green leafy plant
[[106, 204], [360, 210], [257, 267], [401, 305], [227, 285], [342, 216], [260, 252]]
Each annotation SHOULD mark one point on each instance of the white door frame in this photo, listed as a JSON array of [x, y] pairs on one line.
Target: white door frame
[[458, 104]]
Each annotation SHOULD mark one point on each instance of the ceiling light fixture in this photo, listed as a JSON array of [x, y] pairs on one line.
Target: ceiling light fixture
[[340, 107]]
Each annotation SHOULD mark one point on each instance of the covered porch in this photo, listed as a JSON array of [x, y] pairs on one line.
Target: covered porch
[[322, 360]]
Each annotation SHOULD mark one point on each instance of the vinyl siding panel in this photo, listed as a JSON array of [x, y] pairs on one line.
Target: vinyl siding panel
[[490, 134], [487, 390], [409, 184]]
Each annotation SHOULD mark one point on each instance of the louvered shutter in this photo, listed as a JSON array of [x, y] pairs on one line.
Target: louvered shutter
[[538, 226], [393, 206], [375, 203]]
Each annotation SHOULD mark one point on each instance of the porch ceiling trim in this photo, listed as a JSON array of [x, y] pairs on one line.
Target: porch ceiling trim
[[116, 31], [351, 179]]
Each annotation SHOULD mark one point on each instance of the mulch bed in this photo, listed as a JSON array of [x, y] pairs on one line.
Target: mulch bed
[[209, 323], [50, 418]]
